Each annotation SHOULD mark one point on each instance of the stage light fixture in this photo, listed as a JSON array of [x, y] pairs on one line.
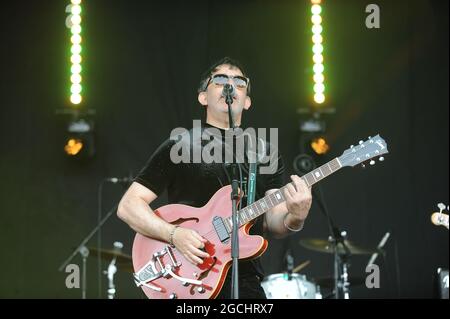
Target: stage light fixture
[[320, 145], [74, 23], [317, 49], [79, 142]]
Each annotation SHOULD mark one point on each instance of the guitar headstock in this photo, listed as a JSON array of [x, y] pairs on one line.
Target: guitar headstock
[[365, 151]]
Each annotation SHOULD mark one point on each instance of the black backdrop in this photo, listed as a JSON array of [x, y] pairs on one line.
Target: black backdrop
[[142, 61]]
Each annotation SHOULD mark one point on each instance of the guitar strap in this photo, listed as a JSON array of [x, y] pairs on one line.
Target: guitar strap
[[251, 184]]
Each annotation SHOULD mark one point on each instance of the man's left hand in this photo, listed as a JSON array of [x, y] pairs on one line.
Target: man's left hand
[[298, 198]]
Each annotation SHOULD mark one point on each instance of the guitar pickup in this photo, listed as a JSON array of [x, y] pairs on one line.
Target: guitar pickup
[[221, 230]]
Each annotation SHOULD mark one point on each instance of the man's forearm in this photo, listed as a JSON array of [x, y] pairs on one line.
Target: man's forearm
[[140, 217]]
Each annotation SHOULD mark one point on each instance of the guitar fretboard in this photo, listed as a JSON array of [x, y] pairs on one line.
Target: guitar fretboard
[[266, 203]]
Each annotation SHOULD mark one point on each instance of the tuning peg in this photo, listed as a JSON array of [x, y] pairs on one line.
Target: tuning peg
[[363, 165], [370, 137], [360, 142], [372, 162], [351, 146], [381, 158]]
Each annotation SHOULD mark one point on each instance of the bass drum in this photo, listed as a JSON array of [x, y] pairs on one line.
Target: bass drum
[[280, 286]]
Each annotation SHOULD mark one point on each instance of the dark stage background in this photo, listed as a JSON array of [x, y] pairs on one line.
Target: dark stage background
[[142, 62]]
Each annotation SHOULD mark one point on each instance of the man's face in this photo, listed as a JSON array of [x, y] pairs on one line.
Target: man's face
[[212, 97]]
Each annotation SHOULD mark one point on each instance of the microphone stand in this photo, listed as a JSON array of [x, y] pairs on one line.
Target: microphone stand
[[234, 199]]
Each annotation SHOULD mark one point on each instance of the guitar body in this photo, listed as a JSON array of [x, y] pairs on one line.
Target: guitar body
[[213, 270]]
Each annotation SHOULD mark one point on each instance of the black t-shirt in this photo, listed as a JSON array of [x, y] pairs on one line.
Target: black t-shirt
[[195, 181]]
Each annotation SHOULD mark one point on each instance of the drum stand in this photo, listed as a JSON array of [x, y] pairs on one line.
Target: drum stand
[[336, 238], [112, 269]]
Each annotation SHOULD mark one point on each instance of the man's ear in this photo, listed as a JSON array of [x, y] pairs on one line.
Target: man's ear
[[202, 98], [248, 102]]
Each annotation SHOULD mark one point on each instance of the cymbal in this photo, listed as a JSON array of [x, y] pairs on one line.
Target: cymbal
[[301, 266], [123, 261], [324, 246], [328, 282]]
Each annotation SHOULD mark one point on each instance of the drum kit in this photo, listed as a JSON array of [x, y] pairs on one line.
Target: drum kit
[[293, 285]]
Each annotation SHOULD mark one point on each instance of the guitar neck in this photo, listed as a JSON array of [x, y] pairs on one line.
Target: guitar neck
[[266, 203]]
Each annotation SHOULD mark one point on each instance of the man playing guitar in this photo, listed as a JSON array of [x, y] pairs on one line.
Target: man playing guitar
[[194, 183]]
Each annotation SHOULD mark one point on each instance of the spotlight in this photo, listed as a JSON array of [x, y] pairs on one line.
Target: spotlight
[[313, 141], [320, 145], [73, 146]]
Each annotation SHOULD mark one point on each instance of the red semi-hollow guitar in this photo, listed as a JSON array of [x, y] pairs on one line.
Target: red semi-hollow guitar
[[163, 272]]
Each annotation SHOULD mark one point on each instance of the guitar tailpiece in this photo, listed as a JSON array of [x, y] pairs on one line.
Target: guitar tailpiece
[[149, 273]]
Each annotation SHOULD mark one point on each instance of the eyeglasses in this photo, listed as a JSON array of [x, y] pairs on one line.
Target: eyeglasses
[[241, 82]]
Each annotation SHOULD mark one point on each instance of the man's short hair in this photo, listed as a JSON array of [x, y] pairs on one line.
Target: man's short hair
[[207, 75]]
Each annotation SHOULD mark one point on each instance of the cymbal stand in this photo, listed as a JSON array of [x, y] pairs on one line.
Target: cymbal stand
[[84, 252], [336, 238], [112, 269], [341, 264]]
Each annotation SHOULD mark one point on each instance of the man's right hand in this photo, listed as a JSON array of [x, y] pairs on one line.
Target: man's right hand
[[190, 243]]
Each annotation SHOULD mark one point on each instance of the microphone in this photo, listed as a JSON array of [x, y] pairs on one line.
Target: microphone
[[228, 92], [119, 180], [380, 246]]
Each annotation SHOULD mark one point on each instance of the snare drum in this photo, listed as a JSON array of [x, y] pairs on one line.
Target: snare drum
[[278, 286]]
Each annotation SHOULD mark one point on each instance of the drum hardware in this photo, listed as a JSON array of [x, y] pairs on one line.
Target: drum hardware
[[328, 282], [112, 269], [325, 246], [342, 249], [301, 266], [279, 286], [123, 261], [290, 284]]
